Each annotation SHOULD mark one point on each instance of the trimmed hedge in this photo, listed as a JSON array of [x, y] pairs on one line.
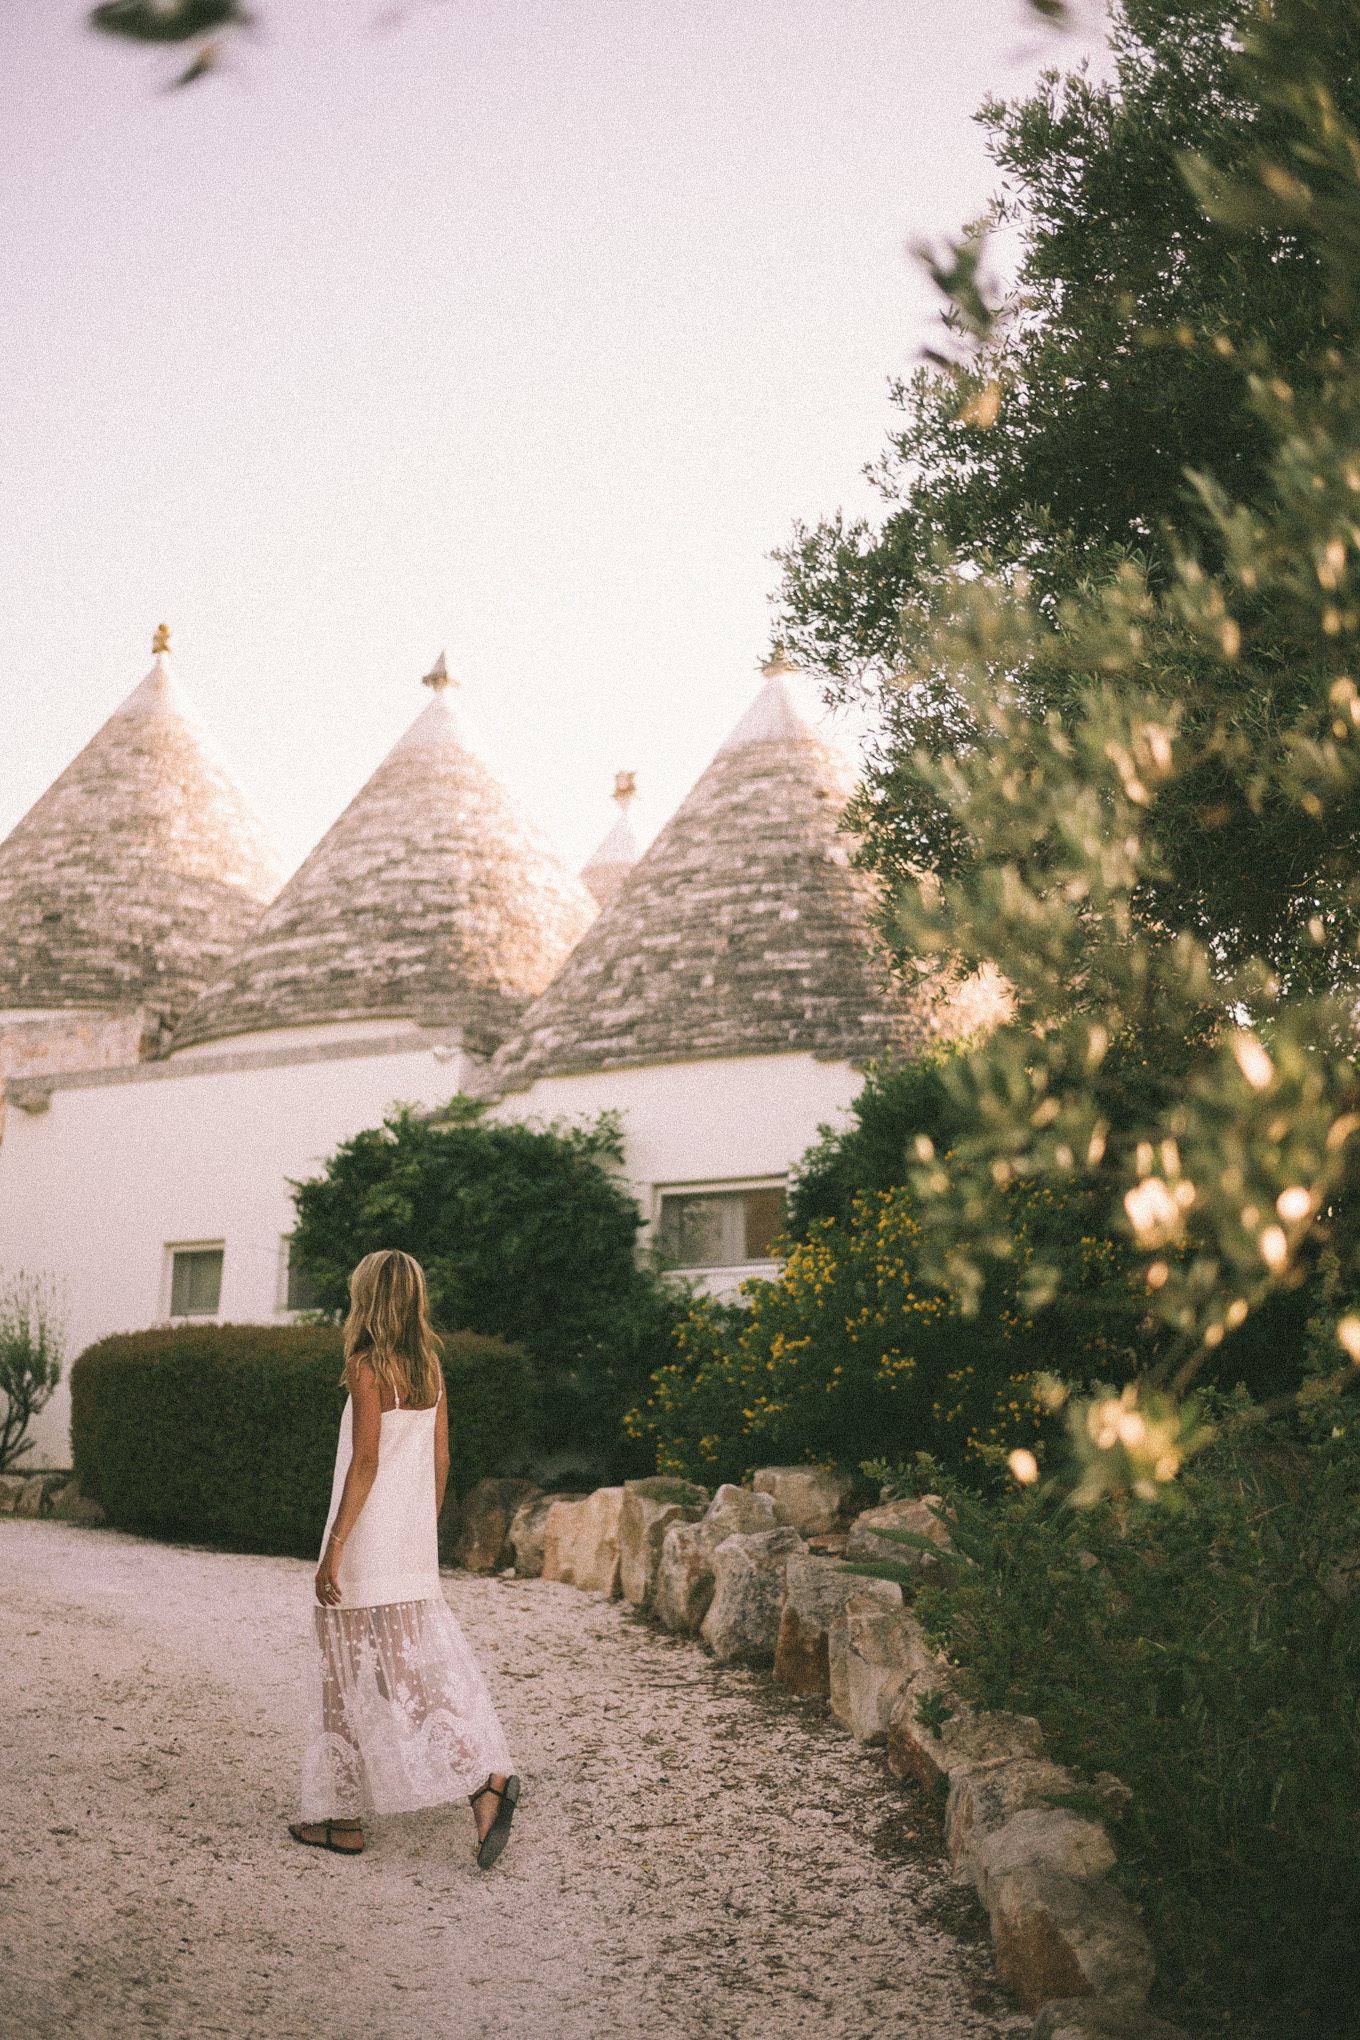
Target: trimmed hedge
[[226, 1433]]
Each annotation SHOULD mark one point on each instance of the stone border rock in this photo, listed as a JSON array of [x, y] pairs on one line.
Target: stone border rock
[[737, 1569], [49, 1493]]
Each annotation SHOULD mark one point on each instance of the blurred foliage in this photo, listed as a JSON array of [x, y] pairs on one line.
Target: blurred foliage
[[525, 1233], [1210, 1657], [1146, 782], [173, 23]]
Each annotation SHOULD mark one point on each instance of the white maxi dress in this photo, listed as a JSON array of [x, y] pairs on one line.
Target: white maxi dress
[[398, 1715]]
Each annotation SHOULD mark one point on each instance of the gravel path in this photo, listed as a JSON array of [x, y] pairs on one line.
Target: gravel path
[[694, 1858]]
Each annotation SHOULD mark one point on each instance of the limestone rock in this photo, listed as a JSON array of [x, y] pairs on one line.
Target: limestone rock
[[967, 1739], [806, 1498], [649, 1509], [11, 1487], [527, 1529], [581, 1541], [748, 1597], [487, 1512], [30, 1497], [1043, 1837], [983, 1797], [905, 1515], [879, 1651], [69, 1505], [1066, 1937], [1100, 2019], [685, 1578], [817, 1589]]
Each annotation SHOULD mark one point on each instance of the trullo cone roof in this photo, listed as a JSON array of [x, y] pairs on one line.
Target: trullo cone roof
[[137, 873], [433, 898], [741, 931]]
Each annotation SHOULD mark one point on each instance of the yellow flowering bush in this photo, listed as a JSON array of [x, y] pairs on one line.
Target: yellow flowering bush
[[850, 1354]]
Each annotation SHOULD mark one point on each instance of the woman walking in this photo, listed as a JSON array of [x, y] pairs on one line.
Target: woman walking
[[398, 1713]]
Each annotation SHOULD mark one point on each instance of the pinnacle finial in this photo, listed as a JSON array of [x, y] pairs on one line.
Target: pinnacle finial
[[161, 642], [777, 663], [625, 789], [439, 676]]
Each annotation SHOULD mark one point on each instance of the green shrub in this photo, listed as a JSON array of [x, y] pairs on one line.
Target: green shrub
[[525, 1233], [896, 1104], [1210, 1656], [227, 1433]]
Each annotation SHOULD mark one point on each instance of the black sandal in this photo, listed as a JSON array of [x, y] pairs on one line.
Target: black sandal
[[498, 1834], [336, 1848]]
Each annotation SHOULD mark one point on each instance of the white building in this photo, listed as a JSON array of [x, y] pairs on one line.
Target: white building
[[174, 1057]]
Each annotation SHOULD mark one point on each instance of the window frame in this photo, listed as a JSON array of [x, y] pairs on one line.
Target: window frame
[[733, 1187], [173, 1248]]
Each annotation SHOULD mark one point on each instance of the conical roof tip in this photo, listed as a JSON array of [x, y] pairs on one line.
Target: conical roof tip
[[609, 864], [141, 867], [433, 898], [774, 716], [441, 723]]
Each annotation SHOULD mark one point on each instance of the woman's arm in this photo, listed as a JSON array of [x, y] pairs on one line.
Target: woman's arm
[[441, 1450], [363, 1471]]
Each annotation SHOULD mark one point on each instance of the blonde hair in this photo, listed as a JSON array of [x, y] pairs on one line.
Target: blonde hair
[[389, 1325]]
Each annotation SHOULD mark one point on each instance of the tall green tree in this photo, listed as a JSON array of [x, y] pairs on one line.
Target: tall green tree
[[1061, 446], [1200, 1072]]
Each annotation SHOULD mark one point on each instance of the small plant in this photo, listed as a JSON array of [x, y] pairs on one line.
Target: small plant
[[898, 1482], [932, 1711], [32, 1339]]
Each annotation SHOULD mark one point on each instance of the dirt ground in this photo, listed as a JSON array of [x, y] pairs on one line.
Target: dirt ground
[[693, 1858]]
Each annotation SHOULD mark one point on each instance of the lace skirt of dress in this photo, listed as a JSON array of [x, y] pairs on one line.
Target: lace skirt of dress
[[398, 1714]]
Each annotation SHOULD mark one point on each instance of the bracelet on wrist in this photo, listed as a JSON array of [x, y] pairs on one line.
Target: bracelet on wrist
[[338, 1541]]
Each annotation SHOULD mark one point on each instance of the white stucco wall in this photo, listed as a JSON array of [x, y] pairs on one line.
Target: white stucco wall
[[721, 1123], [94, 1189], [119, 1168]]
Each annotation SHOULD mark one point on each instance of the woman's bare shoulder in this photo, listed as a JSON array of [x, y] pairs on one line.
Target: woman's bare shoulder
[[362, 1379]]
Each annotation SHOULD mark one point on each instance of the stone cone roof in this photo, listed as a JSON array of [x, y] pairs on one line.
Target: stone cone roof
[[138, 872], [742, 930], [434, 898]]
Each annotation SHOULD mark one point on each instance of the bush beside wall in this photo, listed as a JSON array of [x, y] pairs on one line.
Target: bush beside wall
[[227, 1433], [1208, 1652]]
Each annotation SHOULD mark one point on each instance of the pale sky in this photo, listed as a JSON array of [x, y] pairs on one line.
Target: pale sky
[[525, 329]]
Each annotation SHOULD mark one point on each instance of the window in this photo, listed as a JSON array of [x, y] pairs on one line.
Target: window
[[195, 1282], [719, 1229], [302, 1292]]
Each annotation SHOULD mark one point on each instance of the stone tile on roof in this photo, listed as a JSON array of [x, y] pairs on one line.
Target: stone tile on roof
[[433, 897], [743, 929], [137, 873]]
